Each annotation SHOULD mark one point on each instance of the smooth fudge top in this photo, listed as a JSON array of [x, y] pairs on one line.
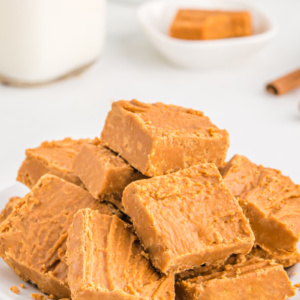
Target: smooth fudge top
[[157, 138], [164, 119], [103, 172], [33, 237], [187, 218], [55, 157], [268, 195], [106, 261], [252, 278]]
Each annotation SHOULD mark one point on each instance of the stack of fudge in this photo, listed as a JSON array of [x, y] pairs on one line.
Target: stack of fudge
[[151, 211]]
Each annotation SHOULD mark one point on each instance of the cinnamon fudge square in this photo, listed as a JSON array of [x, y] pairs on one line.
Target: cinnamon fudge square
[[103, 172], [106, 261], [192, 24], [7, 210], [271, 201], [250, 279], [55, 157], [157, 139], [187, 218], [33, 237]]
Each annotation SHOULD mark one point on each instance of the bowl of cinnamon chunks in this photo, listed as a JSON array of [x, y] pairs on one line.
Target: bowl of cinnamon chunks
[[206, 34], [152, 210]]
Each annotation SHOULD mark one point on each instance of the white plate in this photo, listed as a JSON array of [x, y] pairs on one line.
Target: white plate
[[8, 278], [155, 18]]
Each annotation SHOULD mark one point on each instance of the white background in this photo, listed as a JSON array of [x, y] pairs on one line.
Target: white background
[[261, 126]]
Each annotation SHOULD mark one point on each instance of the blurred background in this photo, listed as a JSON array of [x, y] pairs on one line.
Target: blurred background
[[264, 127]]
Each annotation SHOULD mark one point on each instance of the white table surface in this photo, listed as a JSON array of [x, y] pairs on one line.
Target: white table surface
[[261, 126]]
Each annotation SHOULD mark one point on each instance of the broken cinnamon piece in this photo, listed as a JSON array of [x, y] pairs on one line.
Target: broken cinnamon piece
[[15, 289], [285, 83]]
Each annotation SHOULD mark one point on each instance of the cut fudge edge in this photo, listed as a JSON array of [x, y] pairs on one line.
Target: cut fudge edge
[[129, 119], [25, 174], [82, 158], [186, 289], [103, 188], [162, 151]]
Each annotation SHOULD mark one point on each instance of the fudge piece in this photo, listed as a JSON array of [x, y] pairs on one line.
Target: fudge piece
[[6, 211], [106, 261], [270, 201], [33, 237], [15, 289], [207, 25], [54, 158], [157, 139], [187, 218], [103, 172], [251, 279]]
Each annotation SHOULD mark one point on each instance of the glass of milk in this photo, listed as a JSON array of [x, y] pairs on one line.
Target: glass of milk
[[42, 41]]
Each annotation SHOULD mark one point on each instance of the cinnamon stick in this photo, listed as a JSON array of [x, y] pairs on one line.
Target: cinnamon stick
[[285, 83]]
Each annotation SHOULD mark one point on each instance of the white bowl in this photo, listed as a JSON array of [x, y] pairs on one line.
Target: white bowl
[[156, 17]]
